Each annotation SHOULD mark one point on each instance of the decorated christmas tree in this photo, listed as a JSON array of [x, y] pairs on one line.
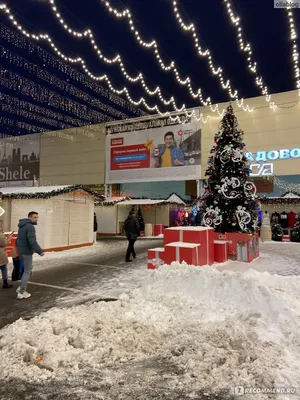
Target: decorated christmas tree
[[140, 219], [277, 232], [229, 203], [295, 234]]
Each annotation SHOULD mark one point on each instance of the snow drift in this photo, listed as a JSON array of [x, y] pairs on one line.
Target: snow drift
[[221, 329]]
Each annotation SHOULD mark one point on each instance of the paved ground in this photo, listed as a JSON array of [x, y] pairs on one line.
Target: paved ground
[[71, 278]]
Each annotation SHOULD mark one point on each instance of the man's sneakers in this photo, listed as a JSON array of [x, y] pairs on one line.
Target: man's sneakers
[[24, 295]]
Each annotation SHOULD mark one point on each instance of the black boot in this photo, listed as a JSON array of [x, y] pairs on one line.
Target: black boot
[[7, 285]]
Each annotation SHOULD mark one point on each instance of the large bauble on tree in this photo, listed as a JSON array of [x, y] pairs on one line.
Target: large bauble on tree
[[229, 203]]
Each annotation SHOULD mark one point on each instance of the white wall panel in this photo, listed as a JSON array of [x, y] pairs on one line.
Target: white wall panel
[[78, 157]]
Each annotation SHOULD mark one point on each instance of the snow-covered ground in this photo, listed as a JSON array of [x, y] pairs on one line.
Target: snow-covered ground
[[175, 333]]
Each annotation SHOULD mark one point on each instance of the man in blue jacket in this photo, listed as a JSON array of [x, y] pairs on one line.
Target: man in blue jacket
[[170, 156], [26, 246]]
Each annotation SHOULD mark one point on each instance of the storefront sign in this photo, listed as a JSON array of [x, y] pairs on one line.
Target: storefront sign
[[19, 160], [272, 155], [153, 150], [266, 169]]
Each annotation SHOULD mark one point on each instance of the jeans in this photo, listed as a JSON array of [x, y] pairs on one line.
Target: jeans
[[4, 272], [130, 249], [27, 260]]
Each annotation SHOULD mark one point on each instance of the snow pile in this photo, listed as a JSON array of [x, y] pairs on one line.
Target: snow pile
[[220, 329]]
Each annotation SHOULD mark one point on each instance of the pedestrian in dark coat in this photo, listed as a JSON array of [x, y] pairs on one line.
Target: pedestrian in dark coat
[[95, 227], [27, 245], [132, 230]]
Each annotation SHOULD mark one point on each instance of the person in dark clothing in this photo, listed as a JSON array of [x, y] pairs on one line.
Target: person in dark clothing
[[95, 228], [132, 230], [26, 246]]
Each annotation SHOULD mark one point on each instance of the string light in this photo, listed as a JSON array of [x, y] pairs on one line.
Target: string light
[[41, 94], [252, 65], [24, 91], [82, 62], [8, 108], [104, 77], [10, 141], [60, 84], [22, 125], [295, 53], [141, 101], [207, 53], [13, 101], [46, 58], [187, 81], [117, 59], [172, 66], [89, 34]]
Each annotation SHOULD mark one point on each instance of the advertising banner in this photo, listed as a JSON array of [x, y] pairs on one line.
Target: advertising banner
[[19, 160], [153, 150]]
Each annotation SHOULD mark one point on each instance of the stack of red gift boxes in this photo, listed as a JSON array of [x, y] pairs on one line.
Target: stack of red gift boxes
[[158, 229], [202, 246]]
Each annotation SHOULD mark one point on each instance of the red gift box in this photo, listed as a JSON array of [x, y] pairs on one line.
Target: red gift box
[[240, 246], [286, 238], [158, 229], [180, 251], [194, 234], [220, 247], [155, 257], [12, 243]]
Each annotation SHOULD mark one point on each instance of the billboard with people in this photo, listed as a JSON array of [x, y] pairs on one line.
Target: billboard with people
[[153, 150]]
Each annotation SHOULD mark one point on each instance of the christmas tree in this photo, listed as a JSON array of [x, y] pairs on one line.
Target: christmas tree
[[277, 232], [295, 234], [140, 219], [229, 203]]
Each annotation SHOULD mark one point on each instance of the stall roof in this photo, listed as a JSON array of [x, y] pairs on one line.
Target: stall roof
[[172, 199], [139, 202], [291, 195], [36, 192]]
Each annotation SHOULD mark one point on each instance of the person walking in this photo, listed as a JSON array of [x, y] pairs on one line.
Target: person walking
[[4, 242], [132, 230], [95, 227], [26, 246]]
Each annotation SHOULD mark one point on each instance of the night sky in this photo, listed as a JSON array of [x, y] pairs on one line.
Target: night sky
[[264, 27]]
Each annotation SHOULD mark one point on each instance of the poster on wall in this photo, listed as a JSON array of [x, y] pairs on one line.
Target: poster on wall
[[19, 160], [153, 150]]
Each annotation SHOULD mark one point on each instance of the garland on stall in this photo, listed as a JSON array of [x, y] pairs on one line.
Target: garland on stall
[[53, 193], [110, 203], [281, 200], [162, 203]]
